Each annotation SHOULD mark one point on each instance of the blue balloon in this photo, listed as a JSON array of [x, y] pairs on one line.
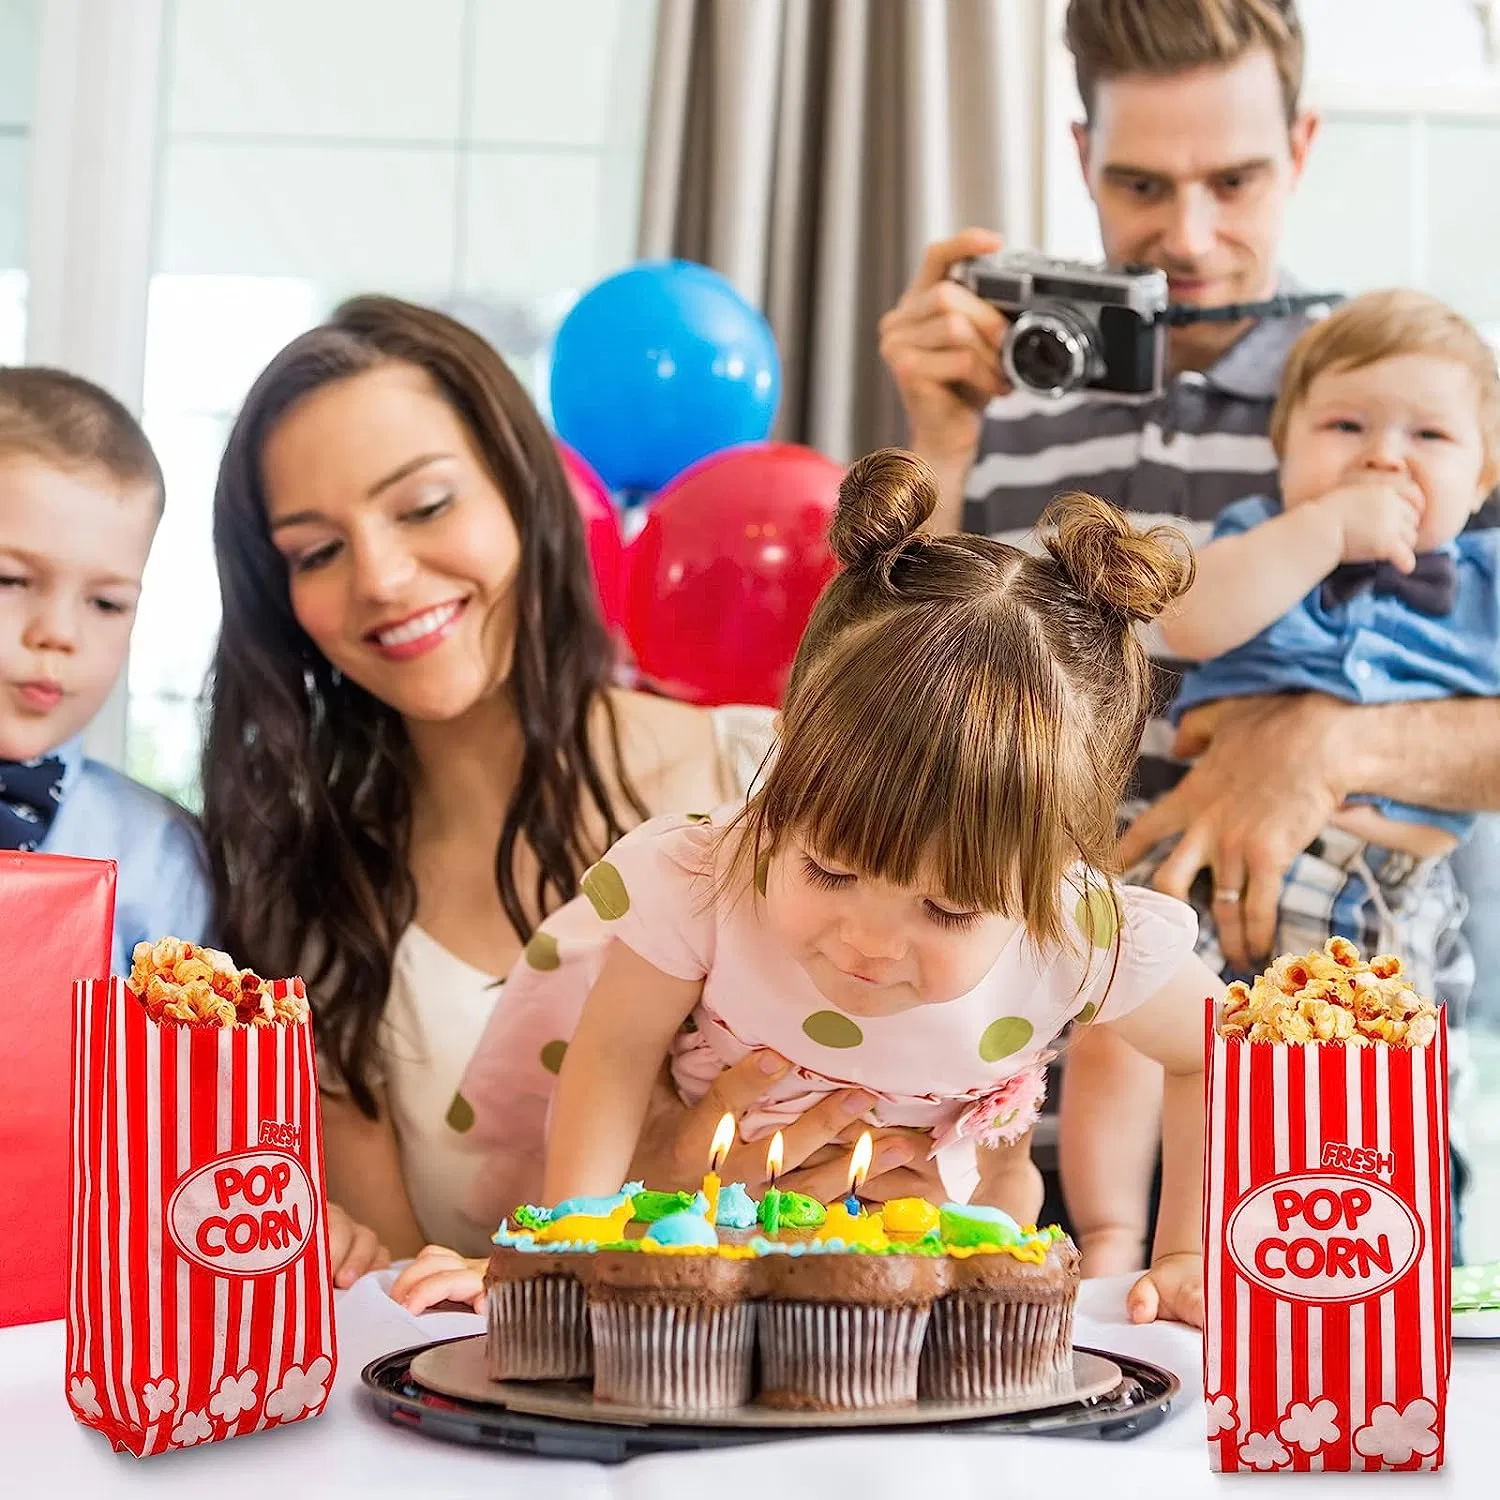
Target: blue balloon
[[659, 366]]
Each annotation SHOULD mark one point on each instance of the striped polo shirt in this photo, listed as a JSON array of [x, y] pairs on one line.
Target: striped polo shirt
[[1179, 457]]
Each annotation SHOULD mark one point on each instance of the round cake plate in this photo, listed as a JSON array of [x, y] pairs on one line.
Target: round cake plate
[[458, 1369]]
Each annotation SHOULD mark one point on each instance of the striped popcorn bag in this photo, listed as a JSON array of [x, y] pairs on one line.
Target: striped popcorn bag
[[1326, 1241], [201, 1298]]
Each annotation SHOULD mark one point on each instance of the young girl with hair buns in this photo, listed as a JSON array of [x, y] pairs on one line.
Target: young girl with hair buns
[[916, 901]]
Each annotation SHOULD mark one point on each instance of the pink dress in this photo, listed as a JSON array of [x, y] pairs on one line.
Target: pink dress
[[970, 1070]]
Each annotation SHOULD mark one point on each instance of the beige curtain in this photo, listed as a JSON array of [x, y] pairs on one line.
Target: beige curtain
[[809, 149]]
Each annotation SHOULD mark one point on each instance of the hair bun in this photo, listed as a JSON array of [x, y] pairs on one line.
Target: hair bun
[[884, 500], [1133, 574]]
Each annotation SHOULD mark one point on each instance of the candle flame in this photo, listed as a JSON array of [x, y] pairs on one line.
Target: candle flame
[[723, 1140], [859, 1163], [774, 1153]]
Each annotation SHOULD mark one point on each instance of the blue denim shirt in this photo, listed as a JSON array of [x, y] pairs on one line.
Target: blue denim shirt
[[1374, 649], [162, 887]]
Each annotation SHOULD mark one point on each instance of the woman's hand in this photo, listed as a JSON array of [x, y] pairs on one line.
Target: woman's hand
[[676, 1139], [440, 1275], [353, 1249], [1172, 1288]]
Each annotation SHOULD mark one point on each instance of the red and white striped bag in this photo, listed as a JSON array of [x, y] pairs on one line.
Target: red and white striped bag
[[200, 1296], [1327, 1342]]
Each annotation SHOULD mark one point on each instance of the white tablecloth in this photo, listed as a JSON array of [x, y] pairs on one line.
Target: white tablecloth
[[350, 1451]]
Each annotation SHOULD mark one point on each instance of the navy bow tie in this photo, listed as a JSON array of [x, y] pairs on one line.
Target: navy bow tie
[[30, 791], [1431, 587]]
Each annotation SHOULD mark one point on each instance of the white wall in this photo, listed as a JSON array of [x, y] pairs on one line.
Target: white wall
[[482, 154]]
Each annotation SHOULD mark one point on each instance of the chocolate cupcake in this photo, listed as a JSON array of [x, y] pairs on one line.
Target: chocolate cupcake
[[842, 1330], [1005, 1326], [537, 1312], [538, 1315], [673, 1327]]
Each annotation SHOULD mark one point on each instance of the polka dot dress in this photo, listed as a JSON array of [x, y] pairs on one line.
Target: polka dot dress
[[936, 1067]]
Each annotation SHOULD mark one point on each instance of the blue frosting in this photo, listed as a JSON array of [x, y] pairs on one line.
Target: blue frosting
[[683, 1228], [736, 1208], [596, 1208]]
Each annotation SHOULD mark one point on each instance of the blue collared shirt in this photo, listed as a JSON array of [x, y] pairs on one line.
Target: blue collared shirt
[[1374, 649], [162, 888]]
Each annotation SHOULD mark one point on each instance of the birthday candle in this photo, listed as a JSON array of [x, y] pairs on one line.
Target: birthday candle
[[723, 1140]]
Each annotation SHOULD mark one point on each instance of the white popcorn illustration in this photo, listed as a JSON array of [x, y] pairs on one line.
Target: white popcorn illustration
[[1396, 1435], [1264, 1451], [300, 1390], [1309, 1425], [1221, 1414], [235, 1394], [159, 1397], [82, 1394], [193, 1427]]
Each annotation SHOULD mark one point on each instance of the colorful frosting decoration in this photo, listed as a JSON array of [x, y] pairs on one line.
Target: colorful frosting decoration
[[972, 1225], [651, 1206], [585, 1228], [686, 1227], [798, 1211], [596, 1208], [911, 1218], [862, 1231], [737, 1209]]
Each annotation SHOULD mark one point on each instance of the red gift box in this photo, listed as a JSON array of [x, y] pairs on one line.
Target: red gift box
[[57, 917], [200, 1296], [1327, 1340]]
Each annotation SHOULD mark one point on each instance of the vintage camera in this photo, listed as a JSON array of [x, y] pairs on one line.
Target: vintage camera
[[1075, 326]]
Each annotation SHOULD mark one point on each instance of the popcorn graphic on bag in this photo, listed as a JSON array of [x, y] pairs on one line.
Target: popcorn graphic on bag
[[300, 1391], [1396, 1435], [236, 1394], [1310, 1426], [159, 1397], [84, 1397], [1221, 1414], [193, 1428], [1263, 1450]]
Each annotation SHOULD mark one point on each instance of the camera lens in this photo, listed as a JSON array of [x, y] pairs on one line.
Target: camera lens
[[1049, 350], [1042, 359]]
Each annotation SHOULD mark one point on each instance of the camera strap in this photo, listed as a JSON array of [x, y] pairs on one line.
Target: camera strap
[[1285, 306]]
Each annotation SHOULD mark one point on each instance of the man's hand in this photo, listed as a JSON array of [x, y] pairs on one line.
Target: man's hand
[[1172, 1288], [1378, 523], [675, 1140], [1265, 786], [941, 344]]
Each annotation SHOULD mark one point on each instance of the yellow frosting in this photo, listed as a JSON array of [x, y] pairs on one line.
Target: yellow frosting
[[868, 1230], [587, 1228], [910, 1216]]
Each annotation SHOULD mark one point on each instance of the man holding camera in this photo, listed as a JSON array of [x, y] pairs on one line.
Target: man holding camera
[[1192, 144]]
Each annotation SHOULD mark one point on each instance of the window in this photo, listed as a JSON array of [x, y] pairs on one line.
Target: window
[[482, 155], [18, 48]]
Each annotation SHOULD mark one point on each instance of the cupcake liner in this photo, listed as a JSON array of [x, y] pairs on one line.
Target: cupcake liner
[[539, 1330], [981, 1350], [673, 1356], [838, 1356]]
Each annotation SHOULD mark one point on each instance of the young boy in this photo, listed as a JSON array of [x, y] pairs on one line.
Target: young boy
[[80, 498], [1361, 582]]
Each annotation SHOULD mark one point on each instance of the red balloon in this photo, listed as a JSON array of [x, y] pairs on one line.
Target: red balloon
[[723, 577], [601, 527]]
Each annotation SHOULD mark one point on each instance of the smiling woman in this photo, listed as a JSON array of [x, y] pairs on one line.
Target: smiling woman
[[414, 750]]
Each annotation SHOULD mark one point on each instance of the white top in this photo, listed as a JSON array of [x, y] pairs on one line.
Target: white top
[[437, 1009], [350, 1451]]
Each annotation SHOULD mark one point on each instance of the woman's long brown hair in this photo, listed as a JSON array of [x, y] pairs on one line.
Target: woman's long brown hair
[[307, 778]]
